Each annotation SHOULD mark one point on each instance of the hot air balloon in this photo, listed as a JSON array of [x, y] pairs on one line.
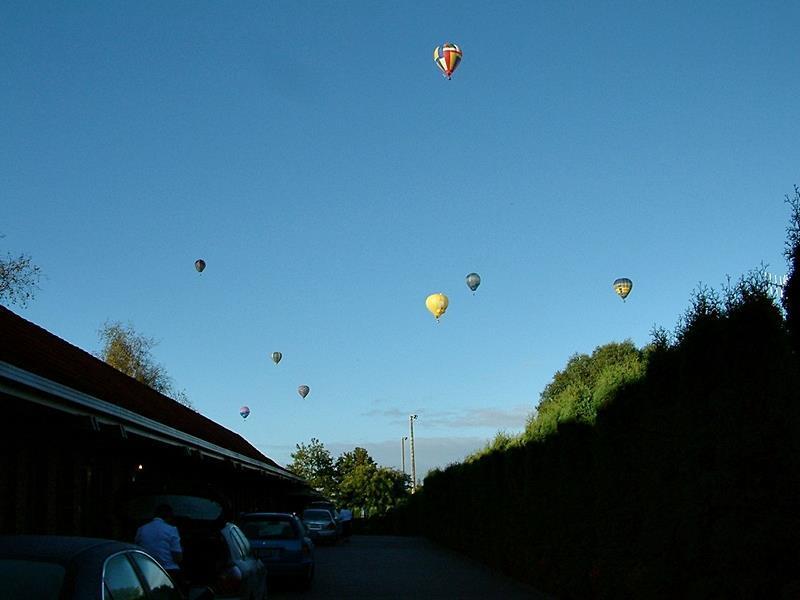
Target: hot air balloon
[[276, 357], [303, 390], [199, 264], [245, 412], [447, 57], [473, 281], [623, 287], [437, 304]]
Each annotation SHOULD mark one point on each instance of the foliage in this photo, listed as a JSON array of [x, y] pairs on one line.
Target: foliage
[[373, 490], [791, 291], [348, 461], [132, 353], [584, 385], [19, 279], [313, 462], [502, 441]]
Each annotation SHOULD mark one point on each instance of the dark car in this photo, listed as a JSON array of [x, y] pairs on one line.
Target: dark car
[[215, 551], [281, 541], [50, 567]]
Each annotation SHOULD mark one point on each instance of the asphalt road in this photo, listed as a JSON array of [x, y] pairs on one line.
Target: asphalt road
[[401, 567]]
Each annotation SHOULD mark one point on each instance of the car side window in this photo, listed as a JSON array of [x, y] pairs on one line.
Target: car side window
[[243, 541], [121, 581], [161, 586], [236, 545]]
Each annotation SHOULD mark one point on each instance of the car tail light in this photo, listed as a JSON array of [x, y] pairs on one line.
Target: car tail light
[[331, 526], [229, 582]]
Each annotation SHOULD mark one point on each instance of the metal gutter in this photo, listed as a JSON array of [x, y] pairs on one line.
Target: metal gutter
[[134, 422]]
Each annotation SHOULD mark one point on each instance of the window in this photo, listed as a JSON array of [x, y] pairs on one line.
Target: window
[[121, 581], [317, 515], [236, 545], [161, 586], [269, 529], [236, 542], [243, 539]]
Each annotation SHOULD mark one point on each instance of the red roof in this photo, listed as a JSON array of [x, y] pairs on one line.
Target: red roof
[[29, 347]]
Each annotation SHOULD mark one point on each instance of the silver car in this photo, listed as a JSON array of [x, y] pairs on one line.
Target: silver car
[[321, 525]]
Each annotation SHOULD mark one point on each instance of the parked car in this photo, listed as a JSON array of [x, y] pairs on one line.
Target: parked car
[[281, 541], [215, 551], [321, 524], [51, 567]]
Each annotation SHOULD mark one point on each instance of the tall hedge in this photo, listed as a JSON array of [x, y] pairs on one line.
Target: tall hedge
[[686, 485]]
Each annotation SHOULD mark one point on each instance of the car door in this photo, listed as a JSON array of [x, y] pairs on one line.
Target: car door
[[253, 570]]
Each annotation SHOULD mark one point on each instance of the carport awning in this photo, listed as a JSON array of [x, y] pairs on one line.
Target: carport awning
[[35, 388]]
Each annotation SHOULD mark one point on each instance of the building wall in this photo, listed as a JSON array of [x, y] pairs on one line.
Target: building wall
[[59, 474]]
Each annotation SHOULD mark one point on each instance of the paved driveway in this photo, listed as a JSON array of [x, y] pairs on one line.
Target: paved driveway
[[402, 567]]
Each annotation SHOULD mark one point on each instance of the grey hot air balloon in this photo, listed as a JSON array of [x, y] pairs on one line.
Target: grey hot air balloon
[[303, 390], [199, 264], [276, 357], [473, 281]]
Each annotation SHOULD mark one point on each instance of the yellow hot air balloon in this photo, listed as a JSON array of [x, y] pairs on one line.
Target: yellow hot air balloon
[[437, 304]]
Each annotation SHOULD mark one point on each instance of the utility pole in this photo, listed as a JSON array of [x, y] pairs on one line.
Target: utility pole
[[411, 419], [403, 451]]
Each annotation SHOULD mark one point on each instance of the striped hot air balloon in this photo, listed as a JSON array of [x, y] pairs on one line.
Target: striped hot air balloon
[[623, 287], [447, 57]]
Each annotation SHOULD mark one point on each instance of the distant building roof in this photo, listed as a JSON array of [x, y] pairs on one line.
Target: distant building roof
[[33, 349]]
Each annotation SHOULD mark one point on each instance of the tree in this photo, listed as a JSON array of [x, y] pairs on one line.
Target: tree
[[585, 384], [348, 461], [791, 291], [313, 462], [372, 489], [19, 279], [131, 352]]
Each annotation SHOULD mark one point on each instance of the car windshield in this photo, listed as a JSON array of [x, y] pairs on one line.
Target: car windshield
[[316, 515], [32, 580], [269, 529]]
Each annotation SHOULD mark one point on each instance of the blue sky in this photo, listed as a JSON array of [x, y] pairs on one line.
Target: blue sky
[[313, 155]]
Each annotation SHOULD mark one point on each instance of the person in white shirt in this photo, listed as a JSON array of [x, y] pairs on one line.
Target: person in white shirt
[[346, 518], [162, 541]]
